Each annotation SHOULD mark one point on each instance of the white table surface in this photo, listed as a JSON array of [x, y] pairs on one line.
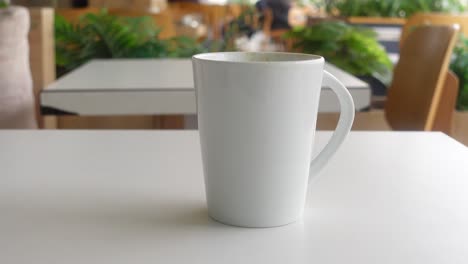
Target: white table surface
[[154, 86], [138, 197]]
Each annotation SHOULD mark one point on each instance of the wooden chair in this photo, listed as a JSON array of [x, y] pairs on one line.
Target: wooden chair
[[434, 19], [419, 97], [444, 118], [414, 98]]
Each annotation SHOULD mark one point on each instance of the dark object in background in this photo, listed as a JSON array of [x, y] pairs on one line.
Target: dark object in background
[[280, 10], [379, 92], [378, 88], [80, 3]]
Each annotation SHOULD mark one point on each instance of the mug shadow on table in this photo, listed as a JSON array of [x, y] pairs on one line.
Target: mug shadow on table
[[149, 216], [144, 216]]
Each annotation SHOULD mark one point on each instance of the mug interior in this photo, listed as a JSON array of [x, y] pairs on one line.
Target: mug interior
[[257, 57]]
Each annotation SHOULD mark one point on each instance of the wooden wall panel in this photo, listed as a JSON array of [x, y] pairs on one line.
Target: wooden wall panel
[[153, 6], [42, 53]]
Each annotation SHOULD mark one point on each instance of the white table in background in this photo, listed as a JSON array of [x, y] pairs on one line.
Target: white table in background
[[152, 87], [138, 197]]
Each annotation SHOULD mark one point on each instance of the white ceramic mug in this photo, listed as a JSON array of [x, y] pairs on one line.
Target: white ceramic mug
[[256, 116]]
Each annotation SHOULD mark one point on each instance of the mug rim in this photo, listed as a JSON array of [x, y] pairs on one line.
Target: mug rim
[[295, 58]]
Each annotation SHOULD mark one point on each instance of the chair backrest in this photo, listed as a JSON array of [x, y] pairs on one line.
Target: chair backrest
[[415, 94], [163, 20], [445, 115], [434, 19]]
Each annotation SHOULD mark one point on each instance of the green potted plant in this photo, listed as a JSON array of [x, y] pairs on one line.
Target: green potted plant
[[387, 17], [391, 8], [4, 3], [106, 36], [351, 48], [459, 66]]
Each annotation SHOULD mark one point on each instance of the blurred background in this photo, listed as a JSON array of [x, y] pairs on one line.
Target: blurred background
[[417, 80]]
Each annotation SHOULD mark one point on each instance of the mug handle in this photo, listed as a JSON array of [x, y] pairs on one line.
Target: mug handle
[[344, 123]]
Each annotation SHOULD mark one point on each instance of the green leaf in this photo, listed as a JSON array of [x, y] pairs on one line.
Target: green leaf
[[105, 36], [354, 49], [4, 4], [393, 8], [459, 66]]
